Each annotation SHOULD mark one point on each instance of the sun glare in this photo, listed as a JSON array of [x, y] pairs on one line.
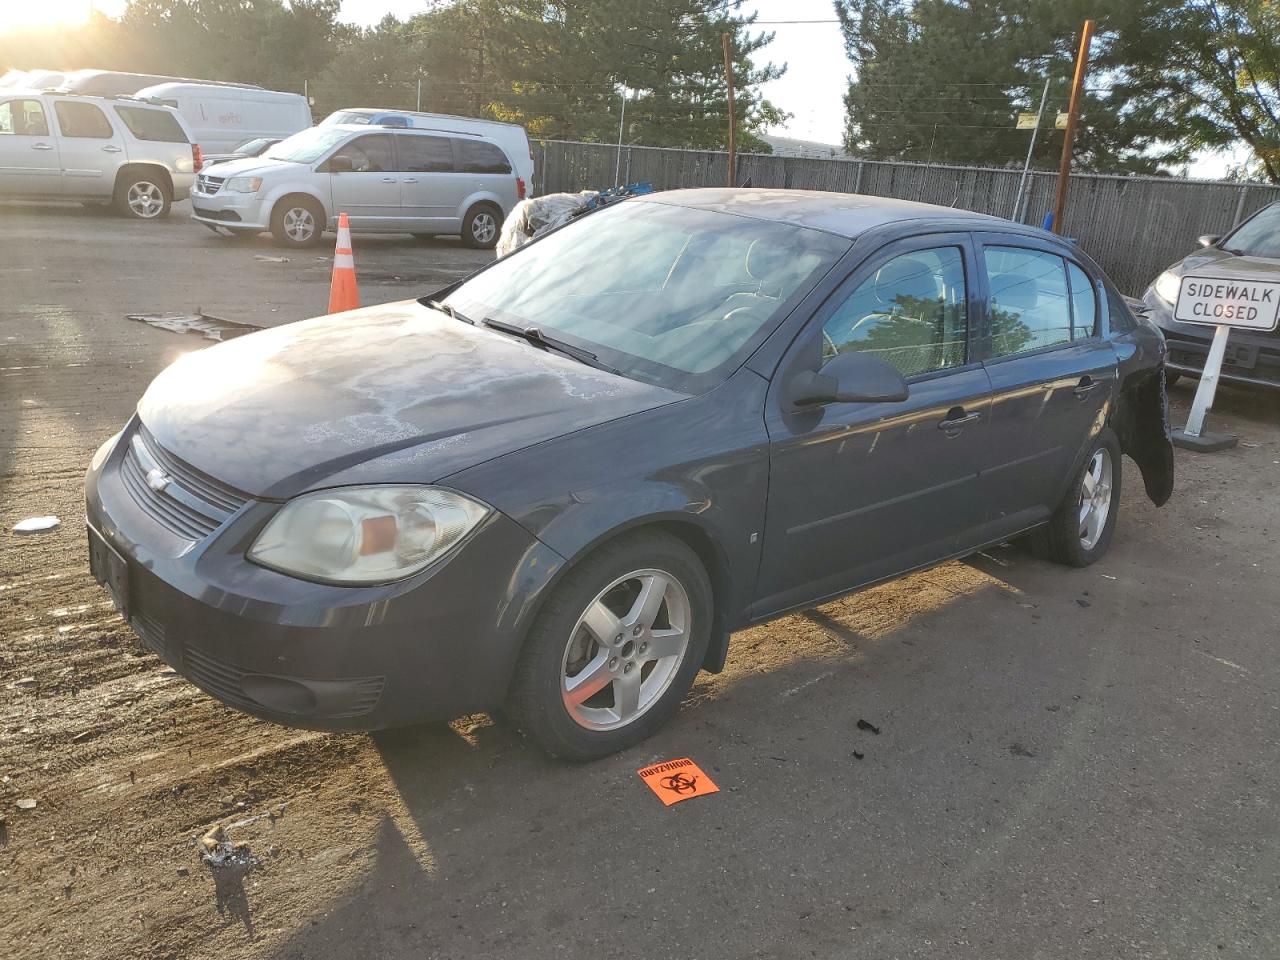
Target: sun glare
[[19, 14]]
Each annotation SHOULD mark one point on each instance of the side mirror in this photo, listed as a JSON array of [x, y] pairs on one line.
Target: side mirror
[[1209, 240], [849, 378], [340, 165]]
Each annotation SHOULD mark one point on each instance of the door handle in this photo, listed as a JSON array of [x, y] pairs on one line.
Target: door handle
[[388, 179], [1086, 386], [408, 181], [110, 148], [41, 146], [957, 419]]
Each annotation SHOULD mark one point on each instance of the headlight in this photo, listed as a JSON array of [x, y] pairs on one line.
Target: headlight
[[357, 535], [1167, 286], [104, 451], [243, 185]]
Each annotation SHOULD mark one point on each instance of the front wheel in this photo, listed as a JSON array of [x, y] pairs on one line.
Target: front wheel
[[1080, 530], [297, 222], [615, 649]]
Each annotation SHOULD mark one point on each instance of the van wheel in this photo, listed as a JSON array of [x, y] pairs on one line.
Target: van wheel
[[481, 226], [615, 649], [1079, 532], [142, 197], [297, 222]]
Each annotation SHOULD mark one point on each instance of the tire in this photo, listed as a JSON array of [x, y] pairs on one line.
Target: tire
[[289, 220], [1067, 538], [481, 226], [143, 196], [561, 652]]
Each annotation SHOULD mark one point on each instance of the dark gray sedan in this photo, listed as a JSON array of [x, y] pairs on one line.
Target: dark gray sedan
[[560, 484]]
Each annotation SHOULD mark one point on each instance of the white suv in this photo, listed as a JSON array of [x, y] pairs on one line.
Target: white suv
[[386, 181], [134, 154]]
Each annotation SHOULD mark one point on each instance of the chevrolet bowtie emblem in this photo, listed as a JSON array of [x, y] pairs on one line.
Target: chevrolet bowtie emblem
[[157, 479]]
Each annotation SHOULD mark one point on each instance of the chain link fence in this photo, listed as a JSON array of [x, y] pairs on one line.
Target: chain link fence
[[1133, 227]]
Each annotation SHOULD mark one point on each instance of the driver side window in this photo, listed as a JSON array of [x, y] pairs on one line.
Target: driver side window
[[368, 154], [909, 313]]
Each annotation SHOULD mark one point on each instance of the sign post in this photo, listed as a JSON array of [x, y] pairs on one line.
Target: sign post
[[1233, 299]]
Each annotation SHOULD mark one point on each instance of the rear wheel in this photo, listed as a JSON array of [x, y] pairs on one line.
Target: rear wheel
[[297, 222], [1081, 528], [142, 197], [481, 225], [615, 649]]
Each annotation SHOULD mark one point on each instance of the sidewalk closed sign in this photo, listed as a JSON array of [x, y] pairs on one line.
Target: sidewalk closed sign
[[1229, 301]]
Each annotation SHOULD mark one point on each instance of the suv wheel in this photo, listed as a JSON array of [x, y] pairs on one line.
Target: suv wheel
[[297, 222], [481, 226], [143, 197], [1079, 532], [615, 649]]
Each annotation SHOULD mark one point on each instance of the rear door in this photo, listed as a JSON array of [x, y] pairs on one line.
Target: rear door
[[30, 165], [1053, 376], [861, 491], [429, 183], [368, 193], [91, 147]]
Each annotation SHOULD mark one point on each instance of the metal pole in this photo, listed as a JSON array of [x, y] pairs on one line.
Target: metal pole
[[419, 106], [1026, 167], [1208, 382], [622, 120], [1240, 205], [733, 135], [1073, 116]]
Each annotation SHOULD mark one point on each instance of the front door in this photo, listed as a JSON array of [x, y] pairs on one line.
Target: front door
[[1052, 376], [859, 492], [92, 151], [29, 162], [369, 192]]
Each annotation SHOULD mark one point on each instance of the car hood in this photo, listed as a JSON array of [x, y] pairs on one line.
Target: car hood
[[1211, 257], [393, 393], [255, 166]]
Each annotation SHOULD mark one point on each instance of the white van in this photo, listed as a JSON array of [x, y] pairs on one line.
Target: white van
[[222, 117], [509, 136]]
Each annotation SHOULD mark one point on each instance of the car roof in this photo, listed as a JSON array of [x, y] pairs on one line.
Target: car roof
[[9, 93], [845, 214]]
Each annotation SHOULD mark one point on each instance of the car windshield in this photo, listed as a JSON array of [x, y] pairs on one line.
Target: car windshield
[[307, 146], [1259, 236], [669, 294]]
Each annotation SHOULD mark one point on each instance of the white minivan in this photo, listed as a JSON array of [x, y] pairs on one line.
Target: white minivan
[[221, 117], [511, 137]]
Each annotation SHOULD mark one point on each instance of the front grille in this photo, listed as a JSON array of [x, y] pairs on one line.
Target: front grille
[[151, 632], [178, 497], [223, 680], [228, 215], [208, 184]]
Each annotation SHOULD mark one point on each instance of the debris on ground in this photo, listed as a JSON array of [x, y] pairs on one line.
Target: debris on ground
[[265, 258], [36, 525], [211, 328], [221, 852], [27, 804], [869, 727], [857, 755]]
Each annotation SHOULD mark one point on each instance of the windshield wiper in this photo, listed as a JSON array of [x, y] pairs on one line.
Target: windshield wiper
[[535, 336], [451, 311]]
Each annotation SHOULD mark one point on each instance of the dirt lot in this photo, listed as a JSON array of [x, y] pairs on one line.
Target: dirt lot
[[1070, 764]]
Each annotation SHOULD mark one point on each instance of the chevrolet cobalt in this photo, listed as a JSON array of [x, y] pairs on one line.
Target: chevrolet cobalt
[[559, 485]]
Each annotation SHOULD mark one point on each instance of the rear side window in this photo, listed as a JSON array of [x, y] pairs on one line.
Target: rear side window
[[23, 118], [425, 154], [1084, 303], [477, 156], [1030, 303], [82, 120], [152, 124]]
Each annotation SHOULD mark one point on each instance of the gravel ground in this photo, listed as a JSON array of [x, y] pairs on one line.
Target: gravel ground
[[1069, 764]]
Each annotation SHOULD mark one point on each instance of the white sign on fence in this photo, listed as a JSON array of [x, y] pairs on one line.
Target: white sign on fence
[[1225, 301]]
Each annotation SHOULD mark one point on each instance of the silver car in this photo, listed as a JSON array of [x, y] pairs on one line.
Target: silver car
[[136, 155], [385, 180]]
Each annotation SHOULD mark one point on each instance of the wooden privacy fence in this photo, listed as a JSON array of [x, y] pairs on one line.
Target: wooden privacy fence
[[1133, 226]]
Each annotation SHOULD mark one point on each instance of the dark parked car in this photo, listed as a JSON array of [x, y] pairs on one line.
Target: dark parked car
[[560, 484], [255, 147], [1253, 356]]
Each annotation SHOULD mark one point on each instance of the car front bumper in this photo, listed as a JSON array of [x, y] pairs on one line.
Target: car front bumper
[[438, 645], [242, 211], [1253, 357]]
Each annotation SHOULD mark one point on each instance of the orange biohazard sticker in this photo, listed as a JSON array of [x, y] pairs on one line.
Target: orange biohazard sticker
[[677, 780]]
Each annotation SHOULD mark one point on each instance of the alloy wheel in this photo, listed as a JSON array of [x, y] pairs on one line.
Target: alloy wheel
[[625, 650], [145, 199], [1095, 498], [299, 224], [484, 227]]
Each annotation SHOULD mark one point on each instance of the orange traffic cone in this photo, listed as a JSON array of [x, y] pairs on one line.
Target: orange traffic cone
[[343, 293]]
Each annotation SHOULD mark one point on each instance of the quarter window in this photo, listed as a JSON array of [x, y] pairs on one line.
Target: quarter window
[[1030, 304], [1084, 303], [82, 120], [477, 156], [426, 154], [23, 118], [369, 154], [909, 313]]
